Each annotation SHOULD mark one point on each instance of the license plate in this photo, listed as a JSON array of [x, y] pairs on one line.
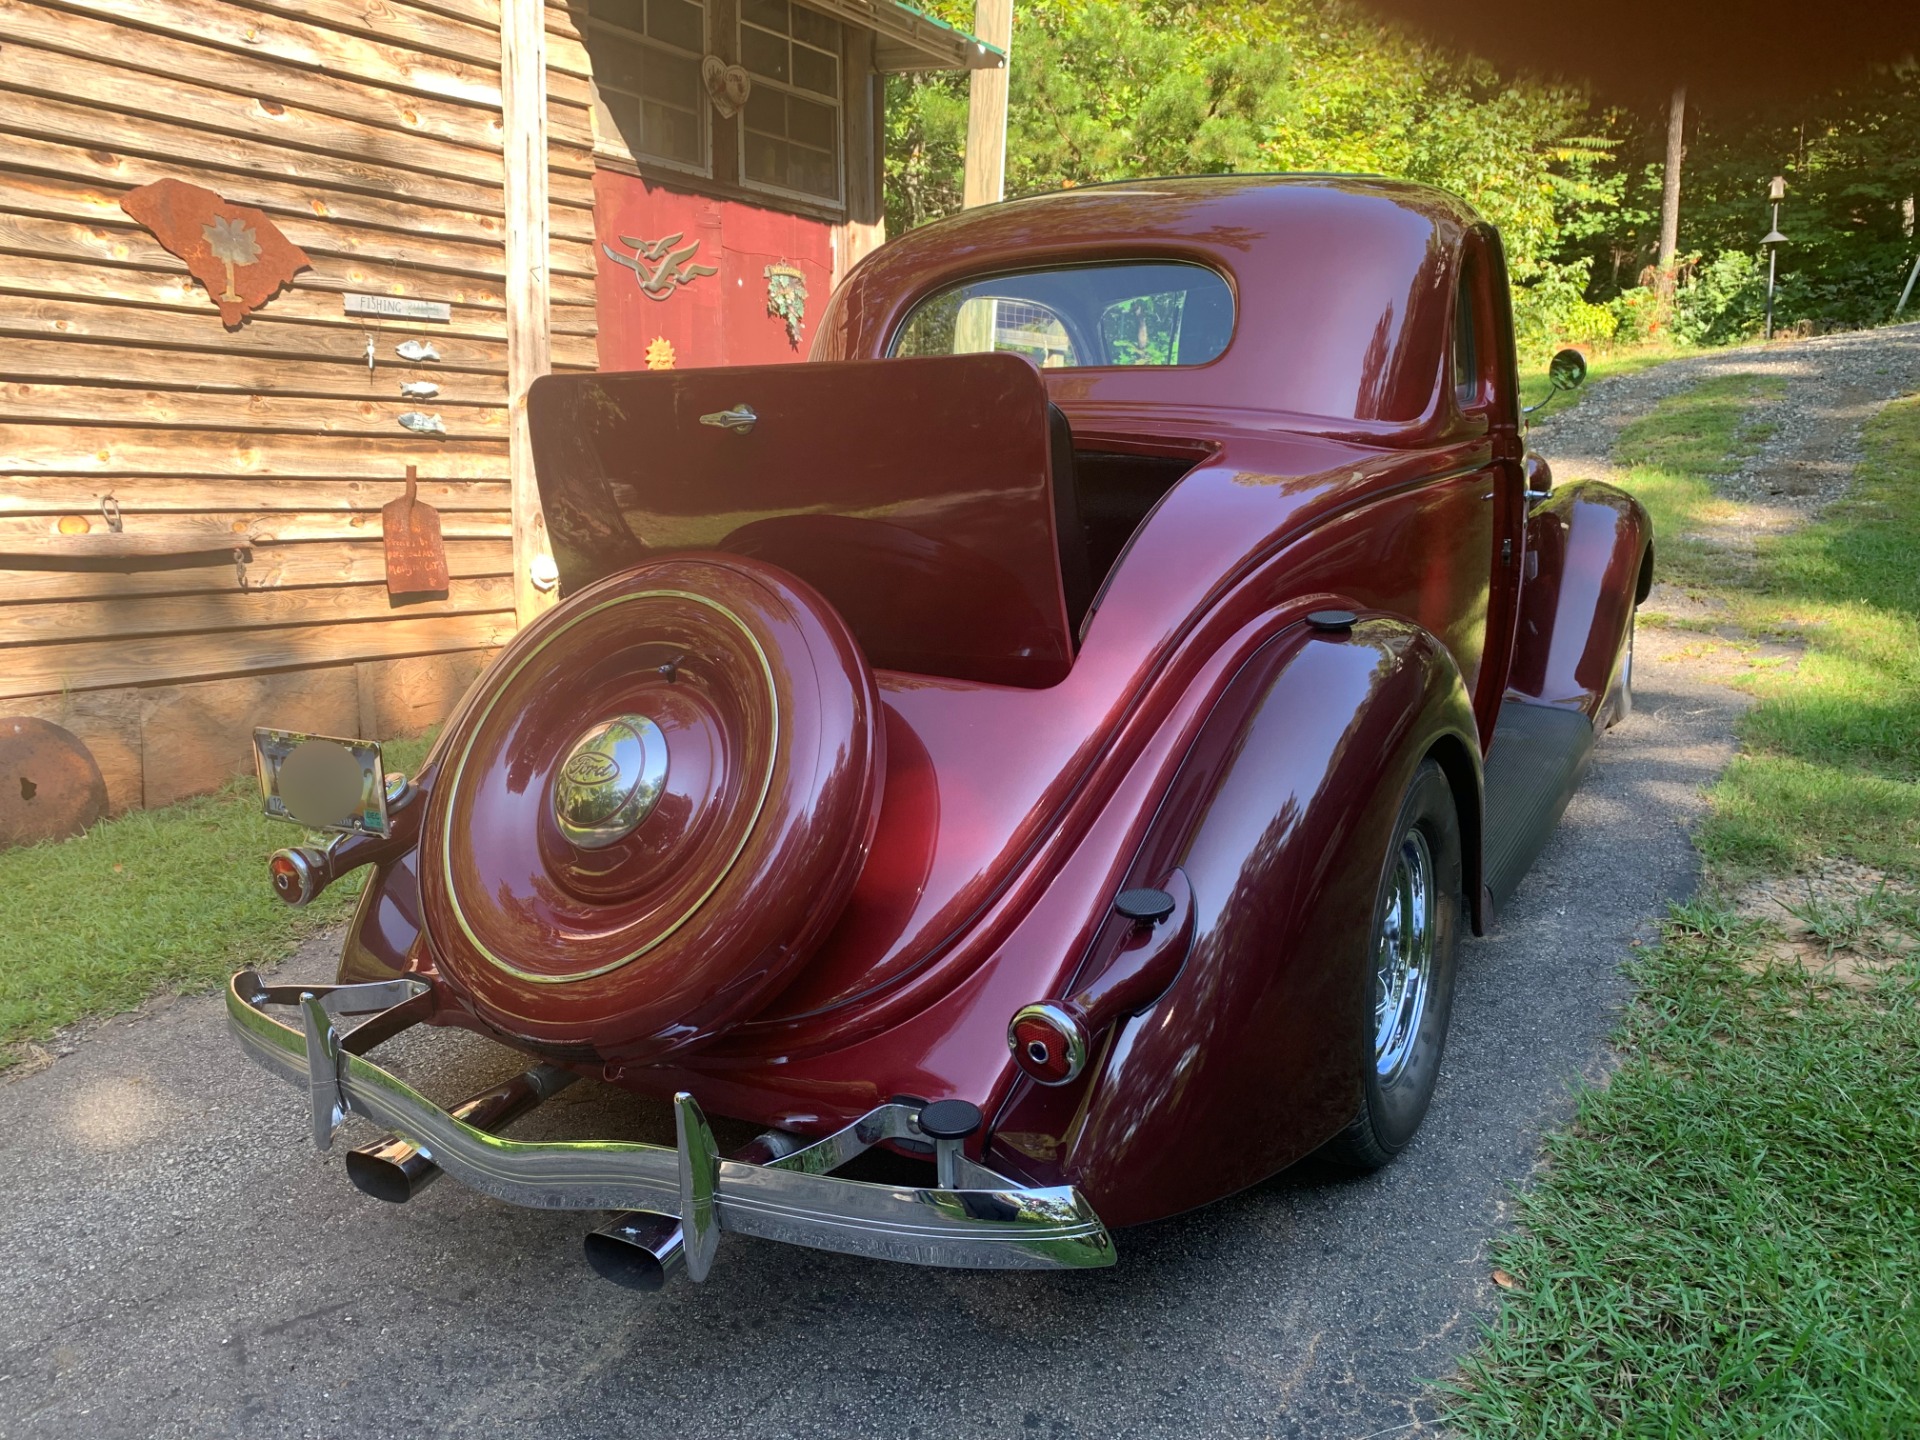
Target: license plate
[[323, 782]]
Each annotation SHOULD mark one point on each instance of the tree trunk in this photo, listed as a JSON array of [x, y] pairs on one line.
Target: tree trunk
[[1670, 193]]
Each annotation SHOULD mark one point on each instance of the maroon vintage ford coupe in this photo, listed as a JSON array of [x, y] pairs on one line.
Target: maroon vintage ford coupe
[[1056, 738]]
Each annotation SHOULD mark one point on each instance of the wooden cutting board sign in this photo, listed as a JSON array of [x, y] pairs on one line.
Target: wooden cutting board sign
[[416, 555]]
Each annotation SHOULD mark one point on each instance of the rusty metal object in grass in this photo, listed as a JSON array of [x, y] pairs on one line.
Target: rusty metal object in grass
[[50, 785]]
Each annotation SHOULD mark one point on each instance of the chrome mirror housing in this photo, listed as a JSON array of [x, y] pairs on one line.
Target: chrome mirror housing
[[1567, 370]]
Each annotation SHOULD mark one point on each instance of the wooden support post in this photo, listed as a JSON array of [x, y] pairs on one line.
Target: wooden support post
[[986, 176], [864, 92], [523, 96]]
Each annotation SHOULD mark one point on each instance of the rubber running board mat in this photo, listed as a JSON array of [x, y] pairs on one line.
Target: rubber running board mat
[[1533, 767]]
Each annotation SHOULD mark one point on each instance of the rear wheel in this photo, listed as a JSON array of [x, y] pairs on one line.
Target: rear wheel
[[1411, 962]]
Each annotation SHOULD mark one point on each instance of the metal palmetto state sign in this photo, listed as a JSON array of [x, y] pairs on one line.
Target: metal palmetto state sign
[[235, 251]]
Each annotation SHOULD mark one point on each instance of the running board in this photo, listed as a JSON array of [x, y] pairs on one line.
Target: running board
[[1538, 756]]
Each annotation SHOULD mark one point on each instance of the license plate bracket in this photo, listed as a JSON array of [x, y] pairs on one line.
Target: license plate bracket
[[322, 782]]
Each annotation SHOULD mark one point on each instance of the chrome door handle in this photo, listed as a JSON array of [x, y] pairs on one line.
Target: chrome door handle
[[740, 419], [1534, 497]]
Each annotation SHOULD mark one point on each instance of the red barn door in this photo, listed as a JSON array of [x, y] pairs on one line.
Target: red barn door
[[702, 299]]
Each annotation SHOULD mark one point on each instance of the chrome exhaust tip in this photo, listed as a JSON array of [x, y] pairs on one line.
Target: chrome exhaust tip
[[392, 1170], [643, 1250], [395, 1170], [638, 1250]]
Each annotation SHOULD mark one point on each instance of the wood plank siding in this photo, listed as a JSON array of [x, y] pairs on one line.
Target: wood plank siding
[[371, 136]]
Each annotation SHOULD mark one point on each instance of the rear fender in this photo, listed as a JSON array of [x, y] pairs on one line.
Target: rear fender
[[1278, 816], [385, 926], [1592, 549]]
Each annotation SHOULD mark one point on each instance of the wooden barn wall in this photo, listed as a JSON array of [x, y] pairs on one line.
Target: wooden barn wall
[[371, 135]]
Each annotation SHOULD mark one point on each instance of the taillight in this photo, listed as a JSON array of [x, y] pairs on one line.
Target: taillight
[[1048, 1044], [1049, 1039], [295, 875]]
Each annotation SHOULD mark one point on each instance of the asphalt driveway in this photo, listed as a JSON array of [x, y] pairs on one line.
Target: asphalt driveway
[[179, 1263]]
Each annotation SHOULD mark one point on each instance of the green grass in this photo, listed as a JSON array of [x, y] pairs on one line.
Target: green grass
[[1727, 1241], [1832, 752], [1673, 454], [1600, 365], [156, 900]]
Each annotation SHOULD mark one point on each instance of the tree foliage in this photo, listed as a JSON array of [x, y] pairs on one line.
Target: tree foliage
[[1377, 101], [1100, 91], [1851, 160], [1104, 90]]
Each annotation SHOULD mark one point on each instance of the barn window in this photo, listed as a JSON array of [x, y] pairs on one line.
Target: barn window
[[790, 141], [646, 71]]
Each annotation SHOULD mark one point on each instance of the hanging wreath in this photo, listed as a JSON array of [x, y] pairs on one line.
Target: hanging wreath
[[787, 298]]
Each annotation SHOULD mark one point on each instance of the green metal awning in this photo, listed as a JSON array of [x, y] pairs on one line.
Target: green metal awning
[[908, 38]]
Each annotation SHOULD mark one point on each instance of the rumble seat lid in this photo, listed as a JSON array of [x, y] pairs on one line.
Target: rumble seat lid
[[915, 494]]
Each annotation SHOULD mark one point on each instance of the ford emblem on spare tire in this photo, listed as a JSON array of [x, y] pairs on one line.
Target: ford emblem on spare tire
[[610, 781]]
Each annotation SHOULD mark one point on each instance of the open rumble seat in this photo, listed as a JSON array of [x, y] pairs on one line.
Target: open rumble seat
[[933, 502]]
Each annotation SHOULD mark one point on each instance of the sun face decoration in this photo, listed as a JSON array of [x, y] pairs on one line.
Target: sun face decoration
[[233, 243], [660, 354]]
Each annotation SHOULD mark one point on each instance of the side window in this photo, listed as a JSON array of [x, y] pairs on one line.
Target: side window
[[1468, 342], [961, 324], [646, 71], [1024, 327], [1144, 330]]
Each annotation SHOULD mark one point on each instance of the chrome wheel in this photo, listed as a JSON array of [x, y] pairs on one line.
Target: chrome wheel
[[1412, 950], [1403, 957]]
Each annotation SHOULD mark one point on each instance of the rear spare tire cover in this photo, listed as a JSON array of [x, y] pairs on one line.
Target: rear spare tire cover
[[652, 810]]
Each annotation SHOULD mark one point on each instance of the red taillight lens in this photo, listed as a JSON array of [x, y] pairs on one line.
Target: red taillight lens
[[292, 876], [1048, 1044]]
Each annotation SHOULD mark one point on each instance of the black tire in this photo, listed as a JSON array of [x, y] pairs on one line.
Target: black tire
[[1406, 1032]]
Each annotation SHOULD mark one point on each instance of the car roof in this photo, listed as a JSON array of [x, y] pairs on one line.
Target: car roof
[[1256, 189], [1343, 283]]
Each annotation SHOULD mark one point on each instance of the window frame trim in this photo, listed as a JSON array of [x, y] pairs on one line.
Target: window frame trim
[[625, 155], [838, 102]]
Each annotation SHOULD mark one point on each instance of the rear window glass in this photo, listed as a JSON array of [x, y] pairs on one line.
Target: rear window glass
[[1144, 313]]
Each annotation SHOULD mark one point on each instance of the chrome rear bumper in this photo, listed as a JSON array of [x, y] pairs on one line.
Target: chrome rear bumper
[[986, 1222]]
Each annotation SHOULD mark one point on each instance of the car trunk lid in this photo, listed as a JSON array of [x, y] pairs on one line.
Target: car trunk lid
[[918, 496]]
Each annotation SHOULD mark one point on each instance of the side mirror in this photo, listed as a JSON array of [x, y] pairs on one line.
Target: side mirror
[[1567, 370]]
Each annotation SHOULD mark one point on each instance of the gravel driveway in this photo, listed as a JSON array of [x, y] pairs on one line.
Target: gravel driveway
[[1835, 383], [180, 1264]]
